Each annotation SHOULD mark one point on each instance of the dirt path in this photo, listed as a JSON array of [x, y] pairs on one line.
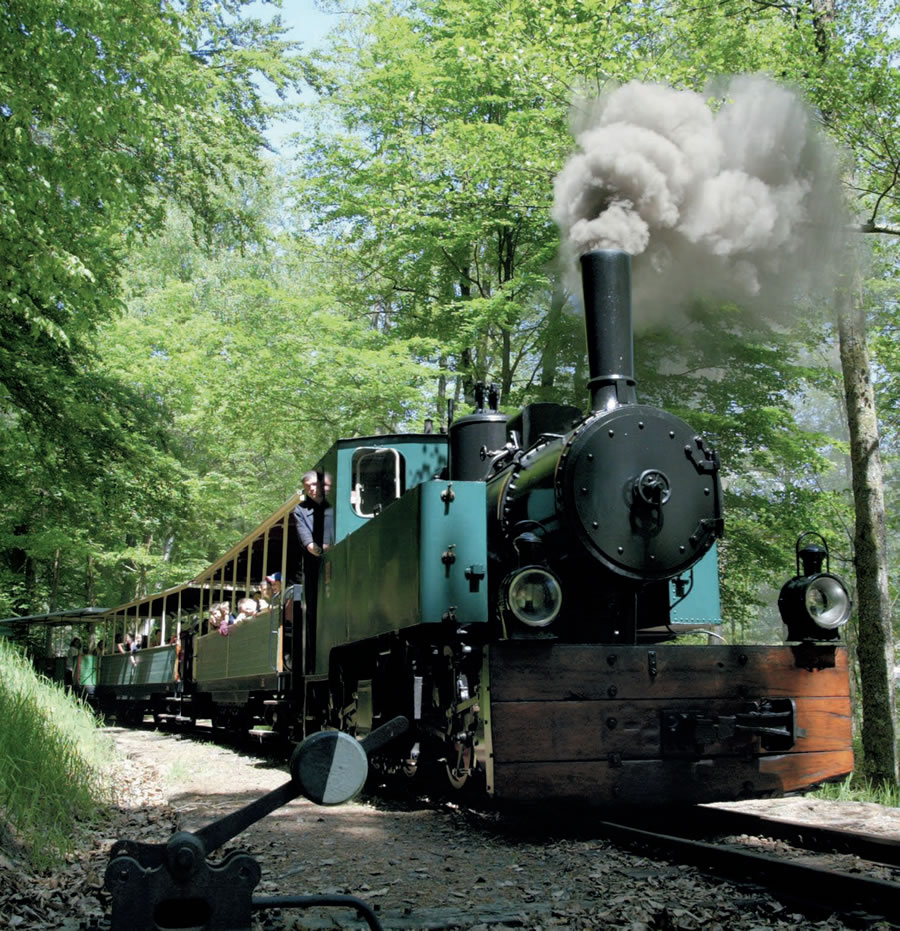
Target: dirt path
[[419, 865]]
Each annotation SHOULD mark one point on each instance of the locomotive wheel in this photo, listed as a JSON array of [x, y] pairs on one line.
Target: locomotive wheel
[[458, 766], [409, 769]]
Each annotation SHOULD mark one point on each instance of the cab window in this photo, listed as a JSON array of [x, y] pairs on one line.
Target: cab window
[[378, 474]]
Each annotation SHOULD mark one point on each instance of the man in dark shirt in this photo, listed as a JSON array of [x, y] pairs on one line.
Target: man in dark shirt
[[315, 515], [314, 520]]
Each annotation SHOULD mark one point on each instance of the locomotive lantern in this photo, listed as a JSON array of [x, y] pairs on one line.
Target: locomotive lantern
[[814, 604]]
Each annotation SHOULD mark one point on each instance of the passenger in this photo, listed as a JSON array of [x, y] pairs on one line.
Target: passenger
[[314, 515], [225, 609], [72, 656], [124, 644], [247, 608], [274, 581], [314, 521], [216, 616], [98, 649]]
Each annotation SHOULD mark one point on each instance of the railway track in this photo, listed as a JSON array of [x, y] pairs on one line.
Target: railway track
[[816, 870], [812, 869]]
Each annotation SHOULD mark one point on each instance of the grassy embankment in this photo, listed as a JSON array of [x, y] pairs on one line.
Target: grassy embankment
[[858, 788], [53, 762]]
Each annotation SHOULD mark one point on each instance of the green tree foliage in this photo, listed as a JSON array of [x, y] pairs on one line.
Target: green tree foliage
[[439, 129], [107, 112], [257, 373], [438, 178]]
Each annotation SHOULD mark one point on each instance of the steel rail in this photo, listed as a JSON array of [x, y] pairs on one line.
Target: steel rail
[[721, 821], [801, 884]]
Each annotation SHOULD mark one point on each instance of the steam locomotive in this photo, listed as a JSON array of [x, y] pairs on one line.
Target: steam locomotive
[[515, 607], [516, 588]]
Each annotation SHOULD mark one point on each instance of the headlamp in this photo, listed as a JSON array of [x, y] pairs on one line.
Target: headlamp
[[533, 596]]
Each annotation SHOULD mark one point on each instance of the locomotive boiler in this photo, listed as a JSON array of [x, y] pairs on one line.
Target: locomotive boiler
[[593, 516]]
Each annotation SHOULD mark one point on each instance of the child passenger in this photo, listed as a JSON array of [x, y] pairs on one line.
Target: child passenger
[[247, 608]]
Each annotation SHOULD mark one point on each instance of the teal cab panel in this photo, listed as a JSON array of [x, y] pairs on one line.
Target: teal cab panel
[[421, 556], [701, 605], [371, 472]]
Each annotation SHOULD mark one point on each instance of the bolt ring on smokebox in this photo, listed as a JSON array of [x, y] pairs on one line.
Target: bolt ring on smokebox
[[602, 486]]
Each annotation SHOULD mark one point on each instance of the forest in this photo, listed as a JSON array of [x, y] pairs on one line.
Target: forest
[[189, 319]]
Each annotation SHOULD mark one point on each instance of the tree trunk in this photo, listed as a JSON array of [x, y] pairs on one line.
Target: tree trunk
[[442, 393], [54, 582], [505, 363], [876, 644], [90, 597], [875, 647], [550, 353]]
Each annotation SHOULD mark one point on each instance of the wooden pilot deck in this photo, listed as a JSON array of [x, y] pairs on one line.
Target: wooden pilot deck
[[585, 722]]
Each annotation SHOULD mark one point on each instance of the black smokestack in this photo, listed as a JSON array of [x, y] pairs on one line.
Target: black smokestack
[[606, 280]]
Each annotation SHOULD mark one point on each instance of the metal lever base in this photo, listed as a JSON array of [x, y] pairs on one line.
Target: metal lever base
[[184, 892]]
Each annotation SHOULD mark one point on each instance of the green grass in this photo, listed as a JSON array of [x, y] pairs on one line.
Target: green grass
[[53, 759], [179, 773], [857, 788]]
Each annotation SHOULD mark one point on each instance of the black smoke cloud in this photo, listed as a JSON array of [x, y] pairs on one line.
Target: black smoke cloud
[[729, 195]]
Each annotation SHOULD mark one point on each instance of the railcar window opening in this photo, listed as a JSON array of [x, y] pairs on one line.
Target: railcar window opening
[[378, 479]]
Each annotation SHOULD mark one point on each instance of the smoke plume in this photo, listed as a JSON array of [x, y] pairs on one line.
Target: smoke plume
[[738, 202]]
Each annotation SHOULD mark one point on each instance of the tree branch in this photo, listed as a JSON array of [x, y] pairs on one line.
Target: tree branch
[[870, 227]]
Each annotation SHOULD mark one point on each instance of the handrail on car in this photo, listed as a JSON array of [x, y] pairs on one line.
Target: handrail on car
[[275, 614]]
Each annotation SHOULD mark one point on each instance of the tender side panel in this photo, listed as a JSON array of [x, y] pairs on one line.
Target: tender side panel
[[247, 651], [252, 646], [587, 722], [141, 668], [211, 657], [156, 665]]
